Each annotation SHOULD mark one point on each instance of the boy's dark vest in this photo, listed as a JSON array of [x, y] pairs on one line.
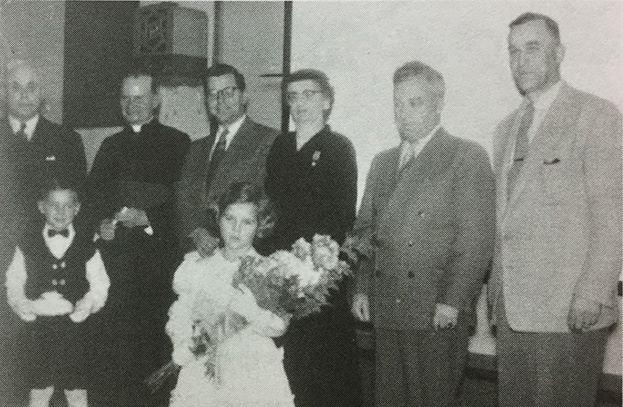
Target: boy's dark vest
[[46, 273]]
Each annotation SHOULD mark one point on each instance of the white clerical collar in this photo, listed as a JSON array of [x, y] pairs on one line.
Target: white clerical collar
[[232, 129], [138, 127], [31, 125], [545, 99]]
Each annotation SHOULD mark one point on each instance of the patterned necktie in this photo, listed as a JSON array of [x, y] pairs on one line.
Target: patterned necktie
[[406, 154], [521, 149], [21, 133], [217, 155]]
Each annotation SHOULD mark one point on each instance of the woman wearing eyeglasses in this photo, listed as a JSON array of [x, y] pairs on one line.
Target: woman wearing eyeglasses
[[312, 180]]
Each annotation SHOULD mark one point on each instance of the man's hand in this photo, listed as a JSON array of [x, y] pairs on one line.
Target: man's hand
[[131, 217], [107, 229], [583, 314], [204, 242], [445, 316], [361, 307]]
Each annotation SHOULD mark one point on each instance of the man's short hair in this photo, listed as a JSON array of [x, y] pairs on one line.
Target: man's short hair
[[551, 24], [413, 69], [138, 72], [224, 69], [319, 77]]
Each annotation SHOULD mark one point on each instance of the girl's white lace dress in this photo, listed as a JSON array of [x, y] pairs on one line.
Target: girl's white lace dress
[[248, 367]]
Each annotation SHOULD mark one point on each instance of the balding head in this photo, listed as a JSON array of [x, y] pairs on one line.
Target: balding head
[[23, 91]]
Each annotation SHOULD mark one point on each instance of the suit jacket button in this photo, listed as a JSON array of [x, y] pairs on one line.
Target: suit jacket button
[[398, 301], [411, 274], [410, 243], [420, 214]]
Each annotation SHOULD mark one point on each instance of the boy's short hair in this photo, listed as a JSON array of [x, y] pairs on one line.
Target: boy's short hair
[[243, 192], [58, 184]]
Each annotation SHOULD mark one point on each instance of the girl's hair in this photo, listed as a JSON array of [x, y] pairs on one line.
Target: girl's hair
[[243, 192]]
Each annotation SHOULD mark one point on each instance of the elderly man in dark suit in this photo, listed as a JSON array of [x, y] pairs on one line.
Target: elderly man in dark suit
[[235, 151], [131, 197], [31, 148], [557, 161], [428, 210]]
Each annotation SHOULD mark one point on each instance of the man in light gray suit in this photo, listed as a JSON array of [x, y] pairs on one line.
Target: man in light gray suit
[[429, 211], [235, 151], [557, 161]]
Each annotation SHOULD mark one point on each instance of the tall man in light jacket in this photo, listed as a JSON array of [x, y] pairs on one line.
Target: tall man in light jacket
[[557, 161], [429, 210]]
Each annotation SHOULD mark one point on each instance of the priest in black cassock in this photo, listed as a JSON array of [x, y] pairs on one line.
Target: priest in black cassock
[[312, 181], [131, 203]]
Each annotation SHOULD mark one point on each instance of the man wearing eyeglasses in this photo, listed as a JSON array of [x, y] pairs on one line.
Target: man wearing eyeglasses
[[235, 151]]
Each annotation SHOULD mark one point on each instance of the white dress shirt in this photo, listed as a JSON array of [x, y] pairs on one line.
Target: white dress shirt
[[409, 150], [31, 125], [58, 245], [541, 106], [232, 130]]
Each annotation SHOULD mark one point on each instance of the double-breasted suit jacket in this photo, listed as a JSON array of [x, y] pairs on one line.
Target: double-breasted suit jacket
[[433, 227], [559, 232], [244, 160]]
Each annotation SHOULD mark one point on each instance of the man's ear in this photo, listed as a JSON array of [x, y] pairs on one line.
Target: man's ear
[[560, 53], [41, 206]]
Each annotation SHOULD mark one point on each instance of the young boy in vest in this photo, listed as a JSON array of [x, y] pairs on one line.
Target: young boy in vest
[[55, 281]]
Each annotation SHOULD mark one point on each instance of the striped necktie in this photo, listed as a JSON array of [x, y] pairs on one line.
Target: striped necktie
[[217, 155], [521, 149], [21, 133]]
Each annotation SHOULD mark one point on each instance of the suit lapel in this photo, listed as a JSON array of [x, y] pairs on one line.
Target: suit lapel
[[552, 130], [431, 161], [428, 163]]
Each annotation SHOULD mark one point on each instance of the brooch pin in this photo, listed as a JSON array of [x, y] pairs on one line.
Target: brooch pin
[[315, 158]]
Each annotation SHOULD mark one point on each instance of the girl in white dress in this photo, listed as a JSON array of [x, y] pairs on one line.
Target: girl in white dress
[[245, 368]]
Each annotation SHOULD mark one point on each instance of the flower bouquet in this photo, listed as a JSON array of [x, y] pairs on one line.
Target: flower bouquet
[[291, 284], [295, 283]]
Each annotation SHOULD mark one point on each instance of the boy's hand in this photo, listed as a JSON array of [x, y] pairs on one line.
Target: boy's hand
[[82, 310], [107, 229], [24, 310]]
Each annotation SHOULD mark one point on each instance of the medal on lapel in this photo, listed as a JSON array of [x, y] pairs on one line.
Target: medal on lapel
[[315, 158]]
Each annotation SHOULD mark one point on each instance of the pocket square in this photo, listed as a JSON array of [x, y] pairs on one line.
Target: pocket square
[[50, 158], [551, 162]]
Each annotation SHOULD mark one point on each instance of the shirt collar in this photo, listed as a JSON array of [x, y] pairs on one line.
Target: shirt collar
[[232, 129], [31, 124], [420, 143], [545, 100]]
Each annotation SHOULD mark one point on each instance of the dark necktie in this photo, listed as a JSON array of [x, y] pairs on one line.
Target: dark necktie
[[52, 232], [217, 156], [521, 149], [21, 133]]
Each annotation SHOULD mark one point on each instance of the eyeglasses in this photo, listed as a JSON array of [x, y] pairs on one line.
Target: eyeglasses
[[307, 94], [225, 93]]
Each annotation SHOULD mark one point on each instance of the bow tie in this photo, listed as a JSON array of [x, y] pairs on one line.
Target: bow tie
[[52, 232]]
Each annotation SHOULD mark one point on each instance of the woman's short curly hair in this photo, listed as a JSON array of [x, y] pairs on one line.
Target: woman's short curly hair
[[243, 192]]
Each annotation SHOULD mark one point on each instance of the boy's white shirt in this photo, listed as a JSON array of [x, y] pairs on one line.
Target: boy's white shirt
[[95, 271]]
